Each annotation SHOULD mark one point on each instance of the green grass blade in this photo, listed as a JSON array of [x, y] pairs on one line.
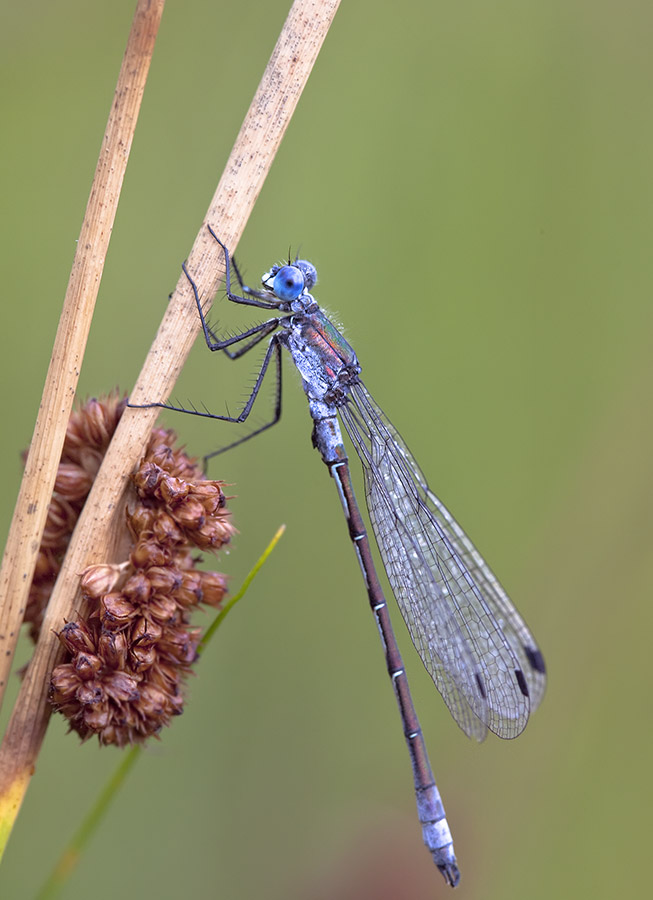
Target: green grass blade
[[229, 605], [71, 855]]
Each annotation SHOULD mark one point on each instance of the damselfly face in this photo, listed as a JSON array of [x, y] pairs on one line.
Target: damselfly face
[[290, 281]]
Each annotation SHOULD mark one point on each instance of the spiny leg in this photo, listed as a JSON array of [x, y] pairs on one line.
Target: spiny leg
[[264, 299], [257, 332], [273, 347], [277, 407], [252, 336]]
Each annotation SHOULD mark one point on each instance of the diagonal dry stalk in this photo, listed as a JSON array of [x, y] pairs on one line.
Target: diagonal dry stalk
[[56, 403], [63, 373], [251, 157]]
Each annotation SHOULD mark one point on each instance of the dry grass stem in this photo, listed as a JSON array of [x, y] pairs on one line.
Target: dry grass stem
[[258, 140], [65, 364], [56, 404]]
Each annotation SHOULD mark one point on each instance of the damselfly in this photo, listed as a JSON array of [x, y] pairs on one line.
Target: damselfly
[[473, 642]]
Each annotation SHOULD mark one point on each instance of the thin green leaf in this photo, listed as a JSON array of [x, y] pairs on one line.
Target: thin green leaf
[[71, 855], [229, 605]]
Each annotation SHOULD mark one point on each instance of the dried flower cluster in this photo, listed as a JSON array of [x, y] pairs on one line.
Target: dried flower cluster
[[89, 432], [131, 651]]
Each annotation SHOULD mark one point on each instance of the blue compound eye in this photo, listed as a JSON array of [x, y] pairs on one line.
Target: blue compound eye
[[309, 271], [288, 283]]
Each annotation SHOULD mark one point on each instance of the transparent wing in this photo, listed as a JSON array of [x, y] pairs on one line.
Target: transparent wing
[[473, 642]]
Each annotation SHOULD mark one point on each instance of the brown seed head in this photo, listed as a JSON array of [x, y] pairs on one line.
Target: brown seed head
[[129, 655]]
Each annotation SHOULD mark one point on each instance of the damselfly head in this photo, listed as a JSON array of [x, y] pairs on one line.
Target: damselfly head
[[289, 282]]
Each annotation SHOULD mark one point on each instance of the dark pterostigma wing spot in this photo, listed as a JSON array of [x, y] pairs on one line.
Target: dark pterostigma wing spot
[[535, 658], [481, 685], [521, 681]]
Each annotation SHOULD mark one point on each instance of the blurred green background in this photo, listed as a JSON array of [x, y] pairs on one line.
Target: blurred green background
[[473, 182]]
